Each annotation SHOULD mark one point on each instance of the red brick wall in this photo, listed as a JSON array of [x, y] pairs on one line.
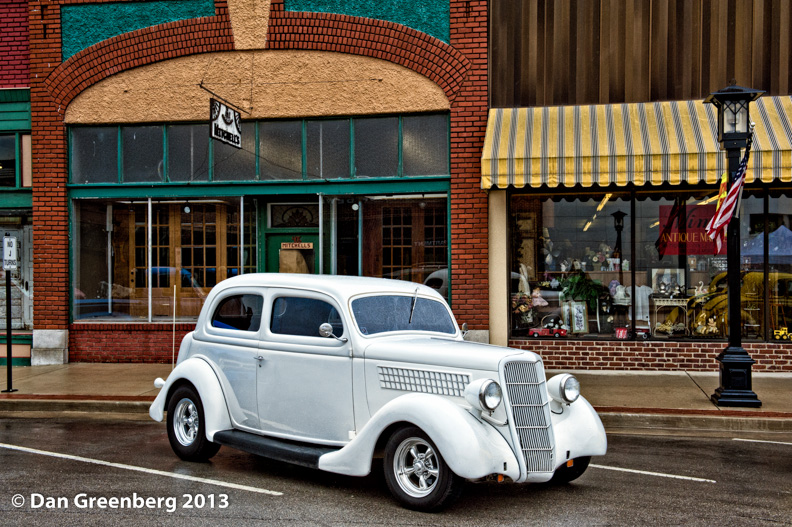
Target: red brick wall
[[14, 46], [469, 238], [125, 342], [560, 354]]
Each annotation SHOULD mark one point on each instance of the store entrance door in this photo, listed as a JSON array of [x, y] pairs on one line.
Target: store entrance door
[[293, 253]]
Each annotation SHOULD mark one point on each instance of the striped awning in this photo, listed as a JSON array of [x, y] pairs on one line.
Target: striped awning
[[640, 143]]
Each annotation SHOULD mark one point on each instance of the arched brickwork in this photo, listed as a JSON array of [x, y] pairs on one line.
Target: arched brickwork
[[138, 48], [380, 39]]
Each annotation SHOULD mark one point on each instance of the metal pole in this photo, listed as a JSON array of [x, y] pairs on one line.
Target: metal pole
[[9, 380], [735, 363]]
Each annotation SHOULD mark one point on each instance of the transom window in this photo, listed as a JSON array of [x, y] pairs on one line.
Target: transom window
[[284, 150]]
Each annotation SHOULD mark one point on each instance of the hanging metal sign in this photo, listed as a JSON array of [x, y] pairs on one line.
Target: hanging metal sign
[[226, 125]]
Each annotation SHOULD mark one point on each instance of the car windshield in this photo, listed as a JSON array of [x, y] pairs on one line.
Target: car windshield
[[384, 313]]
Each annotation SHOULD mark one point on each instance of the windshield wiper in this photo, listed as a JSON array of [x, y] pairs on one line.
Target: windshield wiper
[[412, 305]]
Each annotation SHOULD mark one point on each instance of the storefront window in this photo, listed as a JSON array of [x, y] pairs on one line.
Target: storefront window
[[132, 257], [674, 286], [280, 150], [570, 265], [377, 147], [8, 160], [188, 152], [327, 149], [94, 154], [143, 159], [236, 164], [779, 254], [425, 145]]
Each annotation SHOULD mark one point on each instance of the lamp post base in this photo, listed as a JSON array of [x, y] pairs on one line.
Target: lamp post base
[[735, 380]]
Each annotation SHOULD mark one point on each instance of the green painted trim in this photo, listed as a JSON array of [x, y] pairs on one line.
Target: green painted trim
[[17, 339], [191, 190], [15, 95], [16, 199], [15, 361], [15, 116]]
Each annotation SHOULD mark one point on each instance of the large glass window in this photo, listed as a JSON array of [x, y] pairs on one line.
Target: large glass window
[[143, 159], [132, 257], [570, 264], [642, 266], [94, 154], [327, 149], [282, 150], [377, 147], [779, 254], [188, 152], [8, 160]]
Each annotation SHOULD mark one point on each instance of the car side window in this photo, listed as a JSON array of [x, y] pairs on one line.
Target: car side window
[[303, 316], [242, 312]]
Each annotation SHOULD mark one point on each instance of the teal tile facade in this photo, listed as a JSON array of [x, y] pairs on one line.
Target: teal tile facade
[[85, 25]]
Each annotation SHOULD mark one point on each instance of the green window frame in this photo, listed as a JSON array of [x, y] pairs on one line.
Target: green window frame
[[440, 148]]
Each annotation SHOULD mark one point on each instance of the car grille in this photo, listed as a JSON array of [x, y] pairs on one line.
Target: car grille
[[530, 411]]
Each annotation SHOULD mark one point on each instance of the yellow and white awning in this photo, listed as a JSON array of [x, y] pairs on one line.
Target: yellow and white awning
[[640, 143]]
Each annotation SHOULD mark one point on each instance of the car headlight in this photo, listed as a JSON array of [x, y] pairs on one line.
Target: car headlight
[[564, 388], [484, 394]]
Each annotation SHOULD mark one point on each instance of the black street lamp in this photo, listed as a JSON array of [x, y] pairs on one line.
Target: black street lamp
[[735, 364]]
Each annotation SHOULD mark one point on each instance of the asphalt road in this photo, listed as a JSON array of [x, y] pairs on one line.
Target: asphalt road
[[69, 471]]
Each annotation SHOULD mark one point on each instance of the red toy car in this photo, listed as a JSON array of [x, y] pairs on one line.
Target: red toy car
[[547, 332]]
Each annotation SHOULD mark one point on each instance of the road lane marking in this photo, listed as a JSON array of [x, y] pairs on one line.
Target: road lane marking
[[761, 441], [141, 469], [658, 474]]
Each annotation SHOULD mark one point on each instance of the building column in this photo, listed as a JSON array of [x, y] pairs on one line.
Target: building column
[[498, 269]]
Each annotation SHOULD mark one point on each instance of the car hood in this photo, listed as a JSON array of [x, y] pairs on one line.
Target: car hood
[[441, 352]]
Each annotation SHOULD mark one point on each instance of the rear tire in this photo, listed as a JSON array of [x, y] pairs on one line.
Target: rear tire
[[416, 473], [565, 474], [187, 426]]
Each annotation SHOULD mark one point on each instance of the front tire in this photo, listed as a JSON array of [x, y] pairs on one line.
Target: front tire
[[187, 426], [416, 473], [565, 474]]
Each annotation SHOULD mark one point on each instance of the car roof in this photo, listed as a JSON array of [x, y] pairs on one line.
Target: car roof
[[341, 287]]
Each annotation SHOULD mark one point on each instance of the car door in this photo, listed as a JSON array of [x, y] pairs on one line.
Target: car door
[[304, 380], [234, 332]]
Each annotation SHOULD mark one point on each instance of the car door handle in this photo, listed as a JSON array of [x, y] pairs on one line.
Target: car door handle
[[259, 358]]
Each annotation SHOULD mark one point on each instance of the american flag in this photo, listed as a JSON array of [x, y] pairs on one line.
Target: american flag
[[716, 228]]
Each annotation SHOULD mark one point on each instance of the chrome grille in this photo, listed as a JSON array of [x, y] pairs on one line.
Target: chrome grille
[[530, 410], [423, 381]]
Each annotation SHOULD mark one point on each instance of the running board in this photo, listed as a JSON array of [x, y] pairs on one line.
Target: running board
[[278, 449]]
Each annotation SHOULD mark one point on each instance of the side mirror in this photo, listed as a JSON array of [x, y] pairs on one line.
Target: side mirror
[[464, 330], [326, 330]]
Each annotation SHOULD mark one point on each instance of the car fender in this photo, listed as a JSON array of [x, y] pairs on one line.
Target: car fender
[[200, 374], [578, 430], [472, 448]]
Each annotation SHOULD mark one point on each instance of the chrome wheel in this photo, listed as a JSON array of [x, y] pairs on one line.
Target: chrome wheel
[[416, 467], [416, 473], [187, 426], [186, 422]]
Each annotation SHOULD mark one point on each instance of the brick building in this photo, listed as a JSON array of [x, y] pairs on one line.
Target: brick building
[[361, 135]]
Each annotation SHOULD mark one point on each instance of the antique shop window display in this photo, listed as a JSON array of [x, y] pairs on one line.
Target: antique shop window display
[[130, 257], [570, 265], [779, 259]]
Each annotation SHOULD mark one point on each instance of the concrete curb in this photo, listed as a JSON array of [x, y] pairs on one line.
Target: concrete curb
[[615, 422], [82, 406]]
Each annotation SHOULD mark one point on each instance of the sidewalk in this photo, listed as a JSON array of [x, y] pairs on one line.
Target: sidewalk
[[628, 402]]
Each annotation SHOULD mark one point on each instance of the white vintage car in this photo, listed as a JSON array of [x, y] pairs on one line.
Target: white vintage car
[[332, 372]]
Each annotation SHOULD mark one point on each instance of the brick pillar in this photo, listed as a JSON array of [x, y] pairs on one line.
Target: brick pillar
[[50, 205], [468, 201]]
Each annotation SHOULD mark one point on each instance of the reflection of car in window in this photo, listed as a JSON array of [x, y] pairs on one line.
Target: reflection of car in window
[[342, 370]]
